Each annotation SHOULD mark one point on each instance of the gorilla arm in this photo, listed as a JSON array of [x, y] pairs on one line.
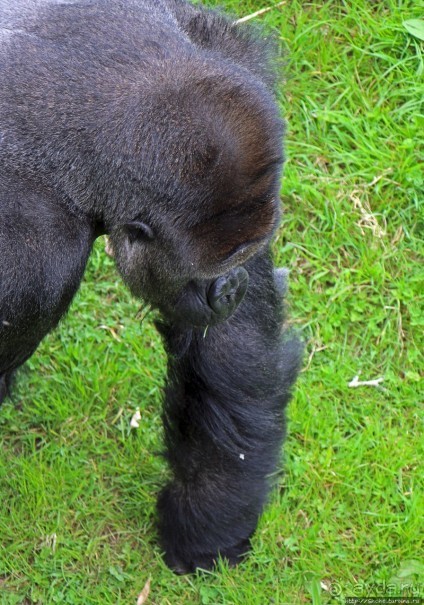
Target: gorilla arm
[[224, 423]]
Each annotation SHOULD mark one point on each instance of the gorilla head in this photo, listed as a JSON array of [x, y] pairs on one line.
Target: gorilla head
[[204, 196]]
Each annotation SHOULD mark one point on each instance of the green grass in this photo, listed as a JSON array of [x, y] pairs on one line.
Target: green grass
[[77, 488]]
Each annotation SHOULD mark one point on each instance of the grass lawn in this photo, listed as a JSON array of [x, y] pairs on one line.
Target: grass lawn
[[78, 487]]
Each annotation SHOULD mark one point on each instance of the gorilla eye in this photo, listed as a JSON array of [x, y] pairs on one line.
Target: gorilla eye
[[138, 231], [244, 247]]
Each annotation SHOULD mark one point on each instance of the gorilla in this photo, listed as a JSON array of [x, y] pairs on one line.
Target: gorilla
[[155, 122]]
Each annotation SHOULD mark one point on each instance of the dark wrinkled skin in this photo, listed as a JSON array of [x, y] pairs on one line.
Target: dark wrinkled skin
[[207, 303]]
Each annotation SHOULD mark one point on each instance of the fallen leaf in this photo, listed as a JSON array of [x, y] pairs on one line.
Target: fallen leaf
[[144, 594], [415, 27], [134, 424]]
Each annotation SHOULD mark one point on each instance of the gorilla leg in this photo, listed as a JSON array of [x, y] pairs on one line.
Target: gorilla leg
[[224, 425], [43, 252], [5, 380]]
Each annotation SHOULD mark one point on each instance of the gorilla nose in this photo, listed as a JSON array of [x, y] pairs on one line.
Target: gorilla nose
[[226, 292]]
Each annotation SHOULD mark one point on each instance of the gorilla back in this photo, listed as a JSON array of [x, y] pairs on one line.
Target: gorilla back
[[154, 121]]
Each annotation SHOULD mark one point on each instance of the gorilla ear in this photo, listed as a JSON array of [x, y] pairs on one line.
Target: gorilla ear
[[137, 230]]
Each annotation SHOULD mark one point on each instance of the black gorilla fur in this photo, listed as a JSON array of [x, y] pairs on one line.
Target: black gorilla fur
[[154, 121]]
